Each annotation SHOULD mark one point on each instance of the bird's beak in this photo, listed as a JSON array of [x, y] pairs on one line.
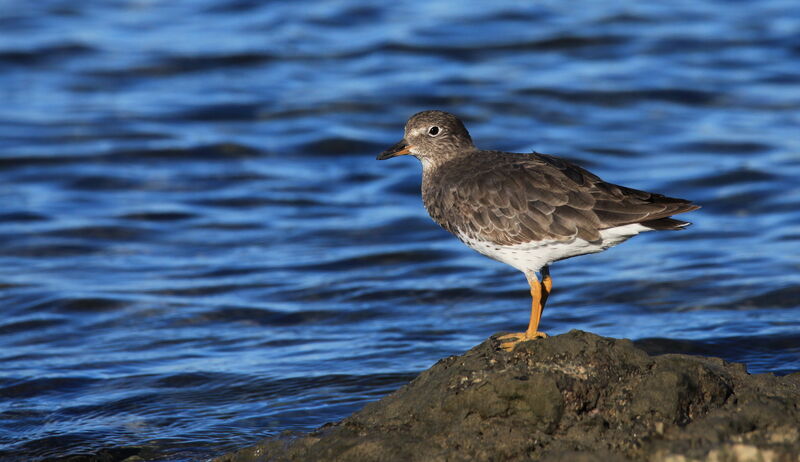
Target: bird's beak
[[399, 149]]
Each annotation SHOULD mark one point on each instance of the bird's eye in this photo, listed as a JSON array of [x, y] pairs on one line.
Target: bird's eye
[[433, 131]]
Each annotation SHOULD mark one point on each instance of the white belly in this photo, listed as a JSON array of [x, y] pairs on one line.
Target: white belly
[[530, 257]]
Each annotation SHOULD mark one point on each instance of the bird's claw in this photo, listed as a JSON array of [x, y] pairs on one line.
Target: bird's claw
[[510, 341]]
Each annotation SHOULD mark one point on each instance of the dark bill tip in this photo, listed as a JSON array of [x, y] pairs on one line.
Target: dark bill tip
[[398, 149]]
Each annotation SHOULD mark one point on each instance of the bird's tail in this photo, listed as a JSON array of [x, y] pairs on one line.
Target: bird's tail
[[666, 224]]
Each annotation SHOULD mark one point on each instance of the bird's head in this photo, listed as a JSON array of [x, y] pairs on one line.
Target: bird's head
[[431, 136]]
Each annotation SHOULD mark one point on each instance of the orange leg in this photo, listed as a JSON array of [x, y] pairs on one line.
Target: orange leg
[[540, 291], [547, 285]]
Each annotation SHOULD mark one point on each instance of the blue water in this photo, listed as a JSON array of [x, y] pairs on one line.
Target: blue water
[[198, 249]]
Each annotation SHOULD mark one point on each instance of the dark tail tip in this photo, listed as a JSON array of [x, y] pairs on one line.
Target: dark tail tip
[[666, 224]]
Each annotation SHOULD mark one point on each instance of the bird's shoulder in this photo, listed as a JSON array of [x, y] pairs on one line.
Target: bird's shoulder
[[510, 198], [529, 174]]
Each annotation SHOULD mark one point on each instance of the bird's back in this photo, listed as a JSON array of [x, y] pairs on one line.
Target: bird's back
[[509, 199]]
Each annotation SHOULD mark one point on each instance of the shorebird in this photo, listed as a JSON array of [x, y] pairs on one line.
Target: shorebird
[[525, 210]]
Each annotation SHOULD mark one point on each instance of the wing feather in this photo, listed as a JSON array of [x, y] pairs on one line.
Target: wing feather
[[515, 198]]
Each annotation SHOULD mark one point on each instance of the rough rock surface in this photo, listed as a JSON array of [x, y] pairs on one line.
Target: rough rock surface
[[573, 397]]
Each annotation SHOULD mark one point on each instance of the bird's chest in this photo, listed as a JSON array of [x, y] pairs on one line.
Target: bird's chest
[[439, 200]]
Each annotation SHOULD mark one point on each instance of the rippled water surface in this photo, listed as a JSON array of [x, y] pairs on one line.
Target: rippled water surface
[[198, 249]]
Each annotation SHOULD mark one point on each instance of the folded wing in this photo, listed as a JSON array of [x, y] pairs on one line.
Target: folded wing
[[516, 198]]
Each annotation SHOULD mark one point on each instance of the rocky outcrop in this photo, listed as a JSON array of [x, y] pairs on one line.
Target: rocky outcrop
[[572, 397]]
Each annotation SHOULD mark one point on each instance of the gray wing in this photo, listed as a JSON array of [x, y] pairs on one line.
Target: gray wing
[[517, 198]]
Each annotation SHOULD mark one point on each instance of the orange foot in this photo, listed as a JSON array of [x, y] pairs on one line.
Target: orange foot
[[510, 341]]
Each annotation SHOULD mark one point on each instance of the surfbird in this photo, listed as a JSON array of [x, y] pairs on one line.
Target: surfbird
[[525, 210]]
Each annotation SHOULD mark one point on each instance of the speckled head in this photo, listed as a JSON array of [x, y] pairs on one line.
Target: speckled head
[[432, 136]]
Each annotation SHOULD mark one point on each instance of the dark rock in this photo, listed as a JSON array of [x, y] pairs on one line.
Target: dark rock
[[573, 397], [120, 454]]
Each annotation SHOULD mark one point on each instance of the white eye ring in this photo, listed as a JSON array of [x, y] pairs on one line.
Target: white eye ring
[[434, 131]]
